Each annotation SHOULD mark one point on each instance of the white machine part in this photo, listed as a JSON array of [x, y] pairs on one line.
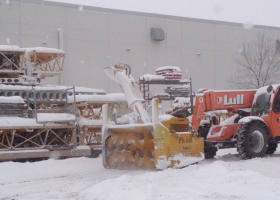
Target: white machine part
[[131, 90]]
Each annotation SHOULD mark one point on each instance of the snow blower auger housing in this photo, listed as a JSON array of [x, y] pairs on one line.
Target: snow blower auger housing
[[146, 144]]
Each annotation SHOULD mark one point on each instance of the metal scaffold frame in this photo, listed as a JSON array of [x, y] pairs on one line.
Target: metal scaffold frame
[[145, 87]]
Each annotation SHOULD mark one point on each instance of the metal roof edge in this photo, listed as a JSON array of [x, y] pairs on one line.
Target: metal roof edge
[[85, 7]]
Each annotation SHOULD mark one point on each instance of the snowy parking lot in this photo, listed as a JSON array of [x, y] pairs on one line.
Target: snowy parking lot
[[224, 177]]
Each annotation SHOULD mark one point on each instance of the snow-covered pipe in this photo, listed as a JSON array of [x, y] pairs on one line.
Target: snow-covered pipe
[[131, 91], [104, 116], [60, 46], [60, 38], [155, 113]]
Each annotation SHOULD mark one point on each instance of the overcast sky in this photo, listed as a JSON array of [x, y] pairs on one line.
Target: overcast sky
[[249, 12]]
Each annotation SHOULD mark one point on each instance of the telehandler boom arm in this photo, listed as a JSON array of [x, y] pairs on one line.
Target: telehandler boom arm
[[211, 100]]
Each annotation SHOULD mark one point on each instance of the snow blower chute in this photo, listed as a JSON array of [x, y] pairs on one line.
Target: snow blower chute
[[146, 144]]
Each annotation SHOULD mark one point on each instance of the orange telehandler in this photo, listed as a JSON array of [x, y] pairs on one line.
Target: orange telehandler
[[254, 129]]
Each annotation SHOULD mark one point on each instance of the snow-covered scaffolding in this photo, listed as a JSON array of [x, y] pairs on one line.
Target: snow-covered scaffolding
[[11, 63], [45, 62], [27, 66]]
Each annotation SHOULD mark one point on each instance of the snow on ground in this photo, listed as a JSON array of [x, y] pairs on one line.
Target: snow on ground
[[225, 177]]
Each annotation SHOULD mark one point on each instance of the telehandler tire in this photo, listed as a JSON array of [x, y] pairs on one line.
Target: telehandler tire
[[203, 131], [271, 148], [209, 150], [252, 141]]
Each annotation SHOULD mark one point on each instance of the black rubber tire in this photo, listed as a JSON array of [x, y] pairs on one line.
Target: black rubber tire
[[95, 153], [203, 131], [252, 141], [271, 148], [209, 150]]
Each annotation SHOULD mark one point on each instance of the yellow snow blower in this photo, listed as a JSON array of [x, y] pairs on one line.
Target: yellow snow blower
[[146, 144]]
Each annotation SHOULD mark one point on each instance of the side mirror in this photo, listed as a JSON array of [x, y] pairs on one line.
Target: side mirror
[[269, 89]]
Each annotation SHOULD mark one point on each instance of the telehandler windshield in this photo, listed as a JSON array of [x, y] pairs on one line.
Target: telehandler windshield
[[261, 105]]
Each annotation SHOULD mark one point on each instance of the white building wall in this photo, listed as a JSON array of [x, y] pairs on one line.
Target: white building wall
[[94, 38]]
